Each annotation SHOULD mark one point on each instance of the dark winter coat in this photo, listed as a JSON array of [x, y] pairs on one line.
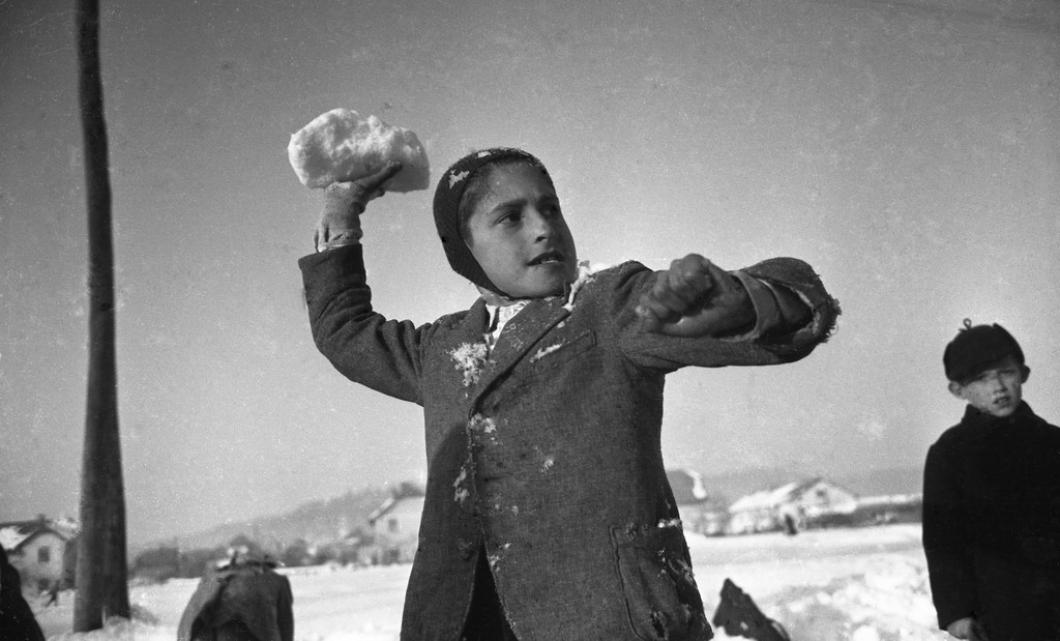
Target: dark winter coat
[[992, 524], [16, 617], [547, 453], [245, 601]]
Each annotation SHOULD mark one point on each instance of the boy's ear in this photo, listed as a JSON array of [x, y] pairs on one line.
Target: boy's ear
[[957, 389], [1026, 372]]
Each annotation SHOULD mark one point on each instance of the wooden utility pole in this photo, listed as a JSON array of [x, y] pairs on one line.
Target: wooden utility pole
[[102, 582]]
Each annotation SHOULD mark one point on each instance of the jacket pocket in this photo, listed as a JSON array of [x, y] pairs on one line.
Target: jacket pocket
[[662, 600], [555, 351]]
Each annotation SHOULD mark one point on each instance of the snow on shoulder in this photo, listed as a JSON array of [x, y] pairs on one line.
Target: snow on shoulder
[[341, 145], [586, 273]]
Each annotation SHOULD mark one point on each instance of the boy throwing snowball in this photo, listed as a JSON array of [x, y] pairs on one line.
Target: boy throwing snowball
[[548, 513]]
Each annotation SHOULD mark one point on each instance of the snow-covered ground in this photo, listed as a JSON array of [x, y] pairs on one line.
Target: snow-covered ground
[[866, 584]]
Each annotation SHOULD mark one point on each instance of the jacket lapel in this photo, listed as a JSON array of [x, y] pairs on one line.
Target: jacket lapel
[[474, 326], [518, 336]]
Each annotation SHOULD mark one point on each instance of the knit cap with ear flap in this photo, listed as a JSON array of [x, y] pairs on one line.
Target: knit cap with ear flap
[[977, 347], [447, 197]]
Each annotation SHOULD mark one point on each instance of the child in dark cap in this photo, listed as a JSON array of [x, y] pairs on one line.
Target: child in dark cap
[[548, 514], [992, 500]]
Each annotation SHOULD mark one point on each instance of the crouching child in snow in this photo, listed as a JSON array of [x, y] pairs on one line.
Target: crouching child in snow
[[548, 514], [240, 599]]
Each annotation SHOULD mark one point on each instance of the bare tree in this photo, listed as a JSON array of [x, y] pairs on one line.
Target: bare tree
[[102, 588]]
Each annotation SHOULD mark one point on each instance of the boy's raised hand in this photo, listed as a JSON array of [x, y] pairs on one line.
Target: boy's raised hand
[[695, 297], [344, 202]]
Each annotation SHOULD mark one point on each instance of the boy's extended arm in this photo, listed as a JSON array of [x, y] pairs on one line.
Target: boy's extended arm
[[362, 344], [776, 311], [697, 298]]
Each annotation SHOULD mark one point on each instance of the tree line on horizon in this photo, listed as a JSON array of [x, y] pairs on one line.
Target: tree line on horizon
[[163, 562]]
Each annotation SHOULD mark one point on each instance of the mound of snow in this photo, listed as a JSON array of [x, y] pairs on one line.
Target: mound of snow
[[889, 601]]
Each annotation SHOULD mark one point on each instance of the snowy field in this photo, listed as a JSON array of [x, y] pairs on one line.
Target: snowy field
[[866, 584]]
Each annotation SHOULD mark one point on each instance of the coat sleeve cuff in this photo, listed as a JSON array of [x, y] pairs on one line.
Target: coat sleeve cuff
[[767, 312]]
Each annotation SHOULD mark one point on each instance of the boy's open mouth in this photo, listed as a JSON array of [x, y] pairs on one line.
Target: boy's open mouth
[[547, 258]]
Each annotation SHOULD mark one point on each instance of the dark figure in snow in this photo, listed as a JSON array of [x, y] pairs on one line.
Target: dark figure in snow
[[548, 514], [241, 599], [992, 500], [16, 617], [53, 594], [791, 528]]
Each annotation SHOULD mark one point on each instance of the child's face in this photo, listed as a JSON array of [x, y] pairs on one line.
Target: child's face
[[518, 235], [997, 390]]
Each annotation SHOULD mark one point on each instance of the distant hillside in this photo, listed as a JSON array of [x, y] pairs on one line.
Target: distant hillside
[[325, 521], [315, 522], [895, 480]]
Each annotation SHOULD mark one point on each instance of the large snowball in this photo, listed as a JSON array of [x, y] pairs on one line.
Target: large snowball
[[340, 145]]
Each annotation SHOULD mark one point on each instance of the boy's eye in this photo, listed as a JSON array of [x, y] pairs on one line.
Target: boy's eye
[[510, 217]]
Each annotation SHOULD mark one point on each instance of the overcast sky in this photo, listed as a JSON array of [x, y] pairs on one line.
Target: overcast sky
[[909, 151]]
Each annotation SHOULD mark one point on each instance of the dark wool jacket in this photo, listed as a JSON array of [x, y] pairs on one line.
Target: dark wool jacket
[[545, 453], [16, 616], [992, 524], [249, 594]]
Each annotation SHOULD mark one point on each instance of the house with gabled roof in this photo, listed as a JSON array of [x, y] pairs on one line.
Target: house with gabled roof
[[800, 503], [396, 525], [42, 550]]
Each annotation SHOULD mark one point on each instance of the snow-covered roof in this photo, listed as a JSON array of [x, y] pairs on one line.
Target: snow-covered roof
[[766, 499], [382, 509], [11, 537], [403, 491], [15, 533]]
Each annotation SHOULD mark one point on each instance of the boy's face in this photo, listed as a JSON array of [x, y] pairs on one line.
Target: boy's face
[[996, 390], [518, 235]]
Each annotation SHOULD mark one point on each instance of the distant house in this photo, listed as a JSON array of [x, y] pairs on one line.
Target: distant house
[[893, 508], [42, 550], [700, 511], [805, 503], [396, 525]]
